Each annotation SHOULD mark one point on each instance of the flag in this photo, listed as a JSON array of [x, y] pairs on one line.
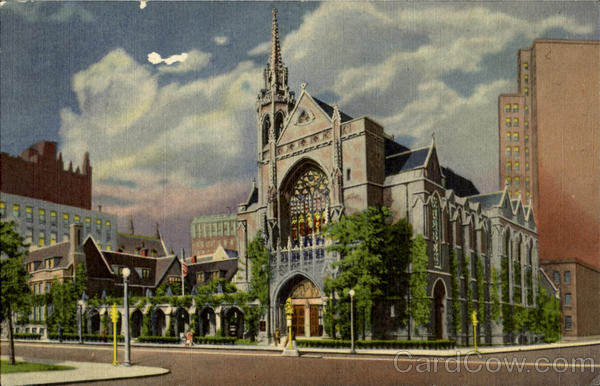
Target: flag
[[184, 268]]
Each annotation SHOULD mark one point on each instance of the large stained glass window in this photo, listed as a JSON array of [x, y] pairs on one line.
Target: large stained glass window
[[309, 203], [435, 230]]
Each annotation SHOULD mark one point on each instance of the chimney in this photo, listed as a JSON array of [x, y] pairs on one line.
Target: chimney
[[75, 245]]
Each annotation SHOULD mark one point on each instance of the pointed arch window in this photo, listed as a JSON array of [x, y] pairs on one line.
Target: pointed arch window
[[435, 230], [266, 125], [309, 203]]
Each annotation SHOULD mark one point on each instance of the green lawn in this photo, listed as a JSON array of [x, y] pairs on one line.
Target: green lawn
[[20, 367]]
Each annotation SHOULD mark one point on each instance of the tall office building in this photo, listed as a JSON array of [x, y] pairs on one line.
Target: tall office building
[[549, 152]]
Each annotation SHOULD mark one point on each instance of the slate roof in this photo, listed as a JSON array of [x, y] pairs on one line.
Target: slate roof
[[129, 243], [487, 200], [462, 186], [329, 110], [408, 160], [229, 266], [392, 147], [157, 265], [57, 250]]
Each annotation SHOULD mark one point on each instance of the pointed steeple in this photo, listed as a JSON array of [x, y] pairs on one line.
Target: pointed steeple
[[275, 60]]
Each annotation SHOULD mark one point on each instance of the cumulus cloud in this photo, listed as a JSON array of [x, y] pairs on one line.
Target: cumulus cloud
[[387, 61], [221, 40], [163, 150], [261, 49], [187, 61], [143, 4]]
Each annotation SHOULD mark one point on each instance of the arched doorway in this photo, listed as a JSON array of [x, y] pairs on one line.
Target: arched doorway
[[208, 324], [93, 323], [304, 202], [439, 310], [182, 321], [158, 322], [307, 302], [234, 322], [136, 323]]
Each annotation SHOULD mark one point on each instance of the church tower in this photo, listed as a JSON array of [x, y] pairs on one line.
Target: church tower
[[274, 103]]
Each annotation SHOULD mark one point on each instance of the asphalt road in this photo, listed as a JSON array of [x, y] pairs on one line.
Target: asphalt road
[[229, 367]]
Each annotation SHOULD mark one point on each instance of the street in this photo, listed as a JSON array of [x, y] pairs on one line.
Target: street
[[233, 367]]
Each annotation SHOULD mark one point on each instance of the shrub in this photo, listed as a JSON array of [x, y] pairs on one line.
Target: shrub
[[379, 344], [69, 337], [27, 335], [158, 339], [215, 339]]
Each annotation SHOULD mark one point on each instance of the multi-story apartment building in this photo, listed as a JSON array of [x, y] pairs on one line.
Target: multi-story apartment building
[[208, 232], [549, 134]]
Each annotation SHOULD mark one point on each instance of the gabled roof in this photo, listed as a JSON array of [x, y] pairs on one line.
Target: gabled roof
[[329, 110], [56, 250], [162, 267], [130, 242], [487, 200], [408, 160], [461, 185]]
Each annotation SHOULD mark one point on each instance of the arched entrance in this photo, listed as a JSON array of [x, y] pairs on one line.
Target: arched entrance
[[158, 322], [136, 323], [208, 324], [93, 323], [307, 302], [234, 322], [439, 311], [182, 321]]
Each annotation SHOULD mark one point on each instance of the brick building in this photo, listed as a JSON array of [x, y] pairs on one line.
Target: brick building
[[39, 173], [208, 232], [549, 134]]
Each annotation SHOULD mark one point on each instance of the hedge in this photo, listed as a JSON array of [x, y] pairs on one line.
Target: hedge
[[381, 344], [27, 335], [86, 337], [158, 339], [215, 339]]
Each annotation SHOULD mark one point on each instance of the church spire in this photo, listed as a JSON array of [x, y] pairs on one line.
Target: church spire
[[275, 62]]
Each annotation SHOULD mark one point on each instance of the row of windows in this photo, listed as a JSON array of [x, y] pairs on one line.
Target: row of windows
[[213, 243], [567, 277], [221, 228], [515, 108], [515, 136], [515, 151]]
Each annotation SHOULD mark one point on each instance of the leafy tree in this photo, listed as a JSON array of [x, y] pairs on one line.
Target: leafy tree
[[480, 290], [373, 258], [547, 316], [420, 303], [454, 292], [259, 286], [64, 297], [15, 291]]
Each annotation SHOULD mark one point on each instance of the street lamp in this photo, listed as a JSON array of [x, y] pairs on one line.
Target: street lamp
[[126, 272], [79, 320], [351, 293], [267, 268]]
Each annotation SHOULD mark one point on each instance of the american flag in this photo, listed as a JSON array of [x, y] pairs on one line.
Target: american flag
[[184, 268]]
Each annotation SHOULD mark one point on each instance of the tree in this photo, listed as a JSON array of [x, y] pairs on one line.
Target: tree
[[420, 303], [15, 291], [454, 292], [259, 286], [374, 255], [64, 297]]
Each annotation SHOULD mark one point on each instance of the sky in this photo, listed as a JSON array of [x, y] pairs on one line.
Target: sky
[[162, 94]]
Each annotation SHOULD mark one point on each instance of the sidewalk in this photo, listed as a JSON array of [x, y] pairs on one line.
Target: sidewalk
[[83, 372]]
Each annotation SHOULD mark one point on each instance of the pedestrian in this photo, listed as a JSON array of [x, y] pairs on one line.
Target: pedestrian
[[189, 338], [277, 337]]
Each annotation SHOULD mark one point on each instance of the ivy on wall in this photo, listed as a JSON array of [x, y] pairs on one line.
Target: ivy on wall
[[495, 298], [454, 292], [507, 322], [480, 290], [420, 303]]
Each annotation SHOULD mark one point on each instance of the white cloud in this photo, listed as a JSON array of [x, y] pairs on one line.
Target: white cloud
[[261, 49], [187, 61], [221, 40], [143, 4]]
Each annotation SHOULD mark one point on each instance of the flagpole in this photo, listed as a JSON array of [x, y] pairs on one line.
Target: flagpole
[[182, 277]]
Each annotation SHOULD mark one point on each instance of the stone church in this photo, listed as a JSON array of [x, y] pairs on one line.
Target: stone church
[[316, 163]]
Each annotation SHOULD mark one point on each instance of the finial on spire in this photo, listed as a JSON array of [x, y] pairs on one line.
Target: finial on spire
[[433, 136], [275, 62], [303, 85]]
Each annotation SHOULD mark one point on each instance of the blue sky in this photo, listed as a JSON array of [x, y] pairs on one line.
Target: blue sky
[[162, 95]]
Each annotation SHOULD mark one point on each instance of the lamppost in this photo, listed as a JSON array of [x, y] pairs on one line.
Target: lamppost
[[126, 272], [351, 293], [79, 320], [267, 268]]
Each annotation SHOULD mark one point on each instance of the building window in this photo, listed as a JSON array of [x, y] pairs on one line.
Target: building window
[[435, 230], [527, 195], [98, 226], [174, 279], [568, 323], [516, 151], [525, 66], [508, 166], [28, 236], [30, 267], [515, 122], [526, 78], [42, 239], [516, 136], [145, 273], [88, 225], [107, 226], [556, 277], [515, 108], [76, 219], [508, 136], [308, 202], [526, 108], [567, 277], [526, 182], [52, 238], [507, 108], [65, 220], [42, 216], [2, 209], [526, 166], [526, 124], [567, 299], [516, 166], [28, 214], [526, 139], [53, 217], [508, 151], [526, 152], [526, 91], [208, 276], [108, 247], [517, 182], [49, 263], [507, 121], [508, 181], [348, 174]]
